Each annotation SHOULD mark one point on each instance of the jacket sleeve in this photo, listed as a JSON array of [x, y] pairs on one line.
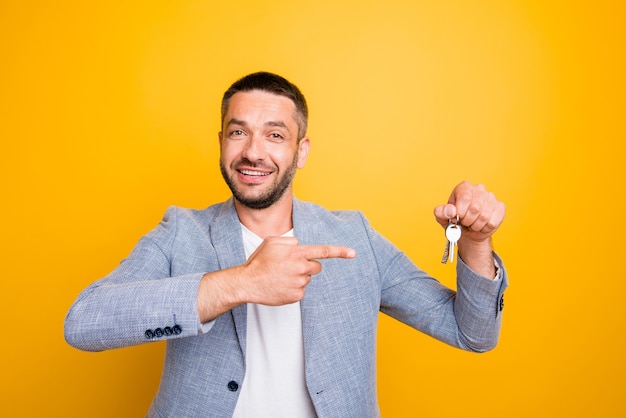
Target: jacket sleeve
[[138, 302], [468, 318]]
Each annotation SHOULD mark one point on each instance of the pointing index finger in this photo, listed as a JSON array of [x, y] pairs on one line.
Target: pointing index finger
[[312, 252]]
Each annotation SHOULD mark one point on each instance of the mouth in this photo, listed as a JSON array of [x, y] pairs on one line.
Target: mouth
[[251, 175], [254, 173]]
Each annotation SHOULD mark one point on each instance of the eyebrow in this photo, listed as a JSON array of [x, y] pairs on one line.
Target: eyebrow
[[278, 124]]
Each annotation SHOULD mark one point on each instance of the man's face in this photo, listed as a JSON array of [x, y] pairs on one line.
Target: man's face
[[259, 147]]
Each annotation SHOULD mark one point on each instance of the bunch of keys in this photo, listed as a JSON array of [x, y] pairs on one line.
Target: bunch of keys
[[453, 234]]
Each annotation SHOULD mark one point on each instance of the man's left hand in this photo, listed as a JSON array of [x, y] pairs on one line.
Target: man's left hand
[[477, 209]]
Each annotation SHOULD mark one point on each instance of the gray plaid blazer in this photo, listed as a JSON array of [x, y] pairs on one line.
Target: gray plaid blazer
[[152, 294]]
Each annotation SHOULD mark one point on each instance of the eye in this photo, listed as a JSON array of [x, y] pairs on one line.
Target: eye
[[276, 137], [236, 133]]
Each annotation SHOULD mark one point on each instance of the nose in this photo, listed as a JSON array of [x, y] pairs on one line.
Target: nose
[[254, 149]]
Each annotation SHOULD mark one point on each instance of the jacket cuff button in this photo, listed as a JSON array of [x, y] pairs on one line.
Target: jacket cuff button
[[149, 334], [233, 386]]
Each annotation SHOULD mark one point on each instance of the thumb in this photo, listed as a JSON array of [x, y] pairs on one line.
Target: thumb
[[443, 213]]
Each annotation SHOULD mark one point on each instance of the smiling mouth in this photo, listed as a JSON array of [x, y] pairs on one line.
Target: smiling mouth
[[254, 173]]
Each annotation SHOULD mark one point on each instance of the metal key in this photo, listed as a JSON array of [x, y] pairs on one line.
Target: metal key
[[453, 234]]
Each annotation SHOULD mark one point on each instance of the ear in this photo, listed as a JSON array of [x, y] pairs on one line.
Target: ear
[[303, 151], [219, 137]]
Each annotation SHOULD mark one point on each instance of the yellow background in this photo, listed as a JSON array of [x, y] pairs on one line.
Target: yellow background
[[109, 113]]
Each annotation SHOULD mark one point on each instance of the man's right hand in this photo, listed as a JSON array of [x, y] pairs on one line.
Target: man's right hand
[[277, 273]]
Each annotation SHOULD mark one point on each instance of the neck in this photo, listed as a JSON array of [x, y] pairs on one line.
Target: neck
[[269, 222]]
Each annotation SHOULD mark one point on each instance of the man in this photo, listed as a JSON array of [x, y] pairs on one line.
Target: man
[[269, 305]]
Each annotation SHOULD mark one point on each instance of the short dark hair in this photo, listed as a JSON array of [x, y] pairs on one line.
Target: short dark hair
[[271, 83]]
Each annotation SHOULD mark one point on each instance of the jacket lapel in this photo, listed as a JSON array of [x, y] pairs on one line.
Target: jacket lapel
[[309, 231], [225, 233]]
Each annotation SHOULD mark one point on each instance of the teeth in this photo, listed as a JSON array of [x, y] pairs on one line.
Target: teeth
[[253, 173]]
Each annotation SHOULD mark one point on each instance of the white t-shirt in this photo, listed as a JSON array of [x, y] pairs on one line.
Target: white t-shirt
[[274, 385]]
